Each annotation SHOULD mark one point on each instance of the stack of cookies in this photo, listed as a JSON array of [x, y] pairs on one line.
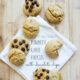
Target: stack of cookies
[[18, 50]]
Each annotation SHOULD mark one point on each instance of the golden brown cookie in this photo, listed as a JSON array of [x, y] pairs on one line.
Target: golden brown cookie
[[30, 28], [52, 47], [16, 57], [55, 75], [54, 13], [41, 74], [32, 7], [21, 44]]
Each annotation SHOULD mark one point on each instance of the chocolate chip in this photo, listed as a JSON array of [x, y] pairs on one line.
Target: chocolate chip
[[26, 7], [12, 46], [38, 77], [37, 5], [27, 49], [43, 70], [41, 74], [20, 43], [30, 10], [32, 3], [15, 40], [23, 41], [23, 49], [47, 71], [47, 77], [16, 46], [27, 3], [35, 2], [31, 0], [27, 45]]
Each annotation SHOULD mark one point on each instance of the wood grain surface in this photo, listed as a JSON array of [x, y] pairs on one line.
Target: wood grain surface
[[11, 16]]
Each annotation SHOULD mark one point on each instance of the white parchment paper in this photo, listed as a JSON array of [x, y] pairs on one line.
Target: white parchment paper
[[37, 57]]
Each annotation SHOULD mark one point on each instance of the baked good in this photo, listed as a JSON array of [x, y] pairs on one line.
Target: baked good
[[55, 76], [30, 28], [16, 57], [52, 47], [41, 74], [54, 13], [32, 7], [21, 44]]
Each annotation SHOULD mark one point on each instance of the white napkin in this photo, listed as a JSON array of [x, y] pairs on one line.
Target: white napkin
[[37, 57]]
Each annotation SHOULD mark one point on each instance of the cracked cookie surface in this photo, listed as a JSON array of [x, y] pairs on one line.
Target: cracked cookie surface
[[54, 13], [30, 28], [16, 57], [52, 48]]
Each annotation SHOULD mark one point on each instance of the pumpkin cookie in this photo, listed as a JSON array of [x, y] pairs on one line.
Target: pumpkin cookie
[[16, 57], [32, 7], [52, 47], [54, 13], [30, 28], [41, 74], [21, 44]]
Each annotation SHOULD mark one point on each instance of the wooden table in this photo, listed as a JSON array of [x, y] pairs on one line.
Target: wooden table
[[10, 17]]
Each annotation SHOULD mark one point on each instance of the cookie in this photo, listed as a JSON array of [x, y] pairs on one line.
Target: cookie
[[41, 74], [30, 28], [52, 48], [21, 44], [54, 13], [32, 7], [55, 76], [16, 57]]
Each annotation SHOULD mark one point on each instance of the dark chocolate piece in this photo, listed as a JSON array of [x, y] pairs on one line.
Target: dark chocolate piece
[[27, 45], [47, 71], [16, 46], [41, 74], [37, 5], [12, 46], [15, 40], [23, 49], [43, 70], [23, 41], [26, 7], [20, 43], [47, 78]]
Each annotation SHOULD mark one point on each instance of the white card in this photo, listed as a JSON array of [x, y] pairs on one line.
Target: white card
[[37, 57]]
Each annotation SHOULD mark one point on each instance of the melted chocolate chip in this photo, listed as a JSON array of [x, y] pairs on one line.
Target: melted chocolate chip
[[43, 70], [32, 3], [27, 49], [35, 2], [47, 71], [30, 10], [12, 46], [16, 46], [27, 3], [41, 74], [15, 40], [31, 0], [20, 43], [23, 49], [27, 45], [37, 5], [47, 77], [23, 41], [26, 7], [38, 77]]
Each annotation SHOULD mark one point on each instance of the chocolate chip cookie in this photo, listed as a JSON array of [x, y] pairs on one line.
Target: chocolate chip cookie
[[41, 74], [21, 44], [32, 7]]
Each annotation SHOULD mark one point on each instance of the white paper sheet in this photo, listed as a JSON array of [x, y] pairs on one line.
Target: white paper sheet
[[37, 57]]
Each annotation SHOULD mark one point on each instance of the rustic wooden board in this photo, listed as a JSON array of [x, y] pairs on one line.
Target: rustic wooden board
[[11, 15]]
